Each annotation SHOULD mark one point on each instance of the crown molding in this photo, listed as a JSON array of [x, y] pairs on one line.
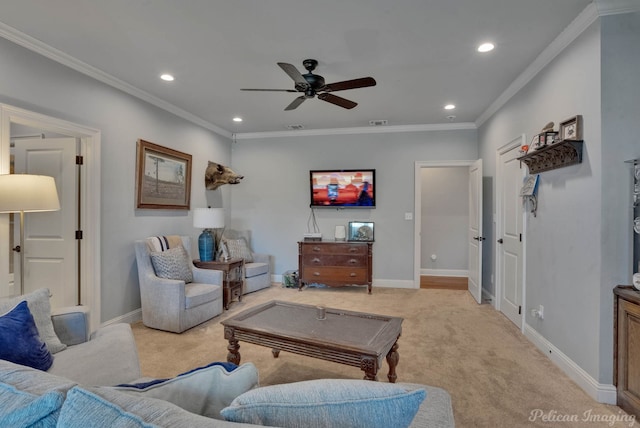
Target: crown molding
[[587, 17], [54, 54], [614, 7], [355, 130]]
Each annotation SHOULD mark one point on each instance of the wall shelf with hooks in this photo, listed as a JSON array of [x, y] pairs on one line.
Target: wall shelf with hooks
[[557, 155]]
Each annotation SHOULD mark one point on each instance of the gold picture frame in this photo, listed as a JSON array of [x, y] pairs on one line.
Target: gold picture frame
[[163, 177]]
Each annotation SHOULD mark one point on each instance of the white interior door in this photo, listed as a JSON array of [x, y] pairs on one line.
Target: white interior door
[[50, 245], [510, 257], [475, 230]]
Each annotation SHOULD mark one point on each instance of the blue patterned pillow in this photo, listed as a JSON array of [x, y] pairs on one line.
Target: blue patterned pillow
[[327, 403], [22, 409], [20, 342]]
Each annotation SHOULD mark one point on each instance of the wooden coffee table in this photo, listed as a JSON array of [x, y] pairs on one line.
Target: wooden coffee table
[[354, 338]]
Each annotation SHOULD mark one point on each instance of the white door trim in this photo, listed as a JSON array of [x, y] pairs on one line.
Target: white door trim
[[89, 192], [516, 142], [417, 209]]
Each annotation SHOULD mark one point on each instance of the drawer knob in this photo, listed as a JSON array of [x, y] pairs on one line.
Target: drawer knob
[[353, 249], [353, 262], [316, 248], [315, 260], [352, 274], [316, 274]]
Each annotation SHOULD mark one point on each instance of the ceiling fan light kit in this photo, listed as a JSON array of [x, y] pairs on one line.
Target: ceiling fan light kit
[[312, 85]]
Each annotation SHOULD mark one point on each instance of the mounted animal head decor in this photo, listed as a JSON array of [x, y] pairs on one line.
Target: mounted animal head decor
[[216, 175]]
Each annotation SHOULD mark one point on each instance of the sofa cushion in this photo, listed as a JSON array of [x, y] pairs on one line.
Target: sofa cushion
[[238, 248], [196, 294], [150, 410], [19, 339], [22, 409], [173, 263], [203, 391], [327, 403], [255, 269], [83, 409], [40, 308]]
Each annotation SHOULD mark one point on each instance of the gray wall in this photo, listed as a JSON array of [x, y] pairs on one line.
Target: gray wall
[[578, 245], [445, 219], [32, 82], [273, 199]]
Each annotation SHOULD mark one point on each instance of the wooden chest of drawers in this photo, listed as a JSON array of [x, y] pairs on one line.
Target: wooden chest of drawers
[[335, 263]]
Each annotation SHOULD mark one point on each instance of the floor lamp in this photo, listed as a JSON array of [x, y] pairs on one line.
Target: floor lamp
[[21, 193]]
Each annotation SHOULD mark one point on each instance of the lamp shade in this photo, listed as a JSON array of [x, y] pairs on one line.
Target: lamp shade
[[208, 218], [28, 193]]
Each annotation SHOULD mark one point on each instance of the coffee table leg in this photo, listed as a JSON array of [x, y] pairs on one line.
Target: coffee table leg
[[233, 356], [275, 352], [392, 359], [370, 368]]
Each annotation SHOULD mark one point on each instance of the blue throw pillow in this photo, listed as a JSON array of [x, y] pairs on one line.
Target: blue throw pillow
[[22, 409], [84, 409], [20, 342], [327, 403]]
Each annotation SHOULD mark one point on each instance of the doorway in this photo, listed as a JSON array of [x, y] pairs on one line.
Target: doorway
[[470, 233], [88, 192]]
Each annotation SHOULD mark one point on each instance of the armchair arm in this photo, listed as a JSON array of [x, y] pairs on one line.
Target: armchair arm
[[71, 324], [207, 276], [162, 299]]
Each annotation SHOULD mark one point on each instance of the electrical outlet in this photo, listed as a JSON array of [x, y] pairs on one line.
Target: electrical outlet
[[541, 312], [408, 216]]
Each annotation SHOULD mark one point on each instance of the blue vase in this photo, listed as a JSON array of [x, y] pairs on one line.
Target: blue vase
[[205, 246]]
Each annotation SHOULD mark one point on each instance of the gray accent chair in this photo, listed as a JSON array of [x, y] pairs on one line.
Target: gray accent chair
[[171, 305], [257, 273]]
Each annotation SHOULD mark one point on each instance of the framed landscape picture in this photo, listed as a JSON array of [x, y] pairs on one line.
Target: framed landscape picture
[[163, 177]]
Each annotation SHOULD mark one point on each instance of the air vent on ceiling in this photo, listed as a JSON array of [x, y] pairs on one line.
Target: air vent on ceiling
[[380, 122], [295, 127]]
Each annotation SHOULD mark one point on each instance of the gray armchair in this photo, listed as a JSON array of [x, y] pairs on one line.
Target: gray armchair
[[172, 305], [257, 272]]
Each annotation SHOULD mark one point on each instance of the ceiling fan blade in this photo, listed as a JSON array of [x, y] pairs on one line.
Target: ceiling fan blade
[[363, 82], [339, 101], [270, 90], [293, 72], [295, 103]]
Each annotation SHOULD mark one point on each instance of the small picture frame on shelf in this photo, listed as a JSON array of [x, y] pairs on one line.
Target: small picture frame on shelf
[[361, 231], [536, 143], [549, 137], [571, 129]]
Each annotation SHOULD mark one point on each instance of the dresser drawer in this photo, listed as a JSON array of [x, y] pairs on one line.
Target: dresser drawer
[[311, 260], [327, 275], [354, 249]]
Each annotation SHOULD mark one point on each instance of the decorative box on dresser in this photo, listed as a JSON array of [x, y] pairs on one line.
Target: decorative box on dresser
[[626, 352], [335, 263]]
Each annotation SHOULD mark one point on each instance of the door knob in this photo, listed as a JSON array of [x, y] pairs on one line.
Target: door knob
[[500, 241]]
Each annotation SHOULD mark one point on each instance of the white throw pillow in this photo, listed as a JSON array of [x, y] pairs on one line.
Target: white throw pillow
[[203, 391]]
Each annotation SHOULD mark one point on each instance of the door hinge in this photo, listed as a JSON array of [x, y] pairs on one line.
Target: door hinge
[[521, 237], [519, 310], [79, 160], [78, 234]]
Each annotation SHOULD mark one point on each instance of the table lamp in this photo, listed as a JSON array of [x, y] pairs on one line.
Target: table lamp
[[21, 193], [207, 219]]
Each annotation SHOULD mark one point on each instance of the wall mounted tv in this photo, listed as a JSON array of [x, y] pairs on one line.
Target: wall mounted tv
[[343, 188]]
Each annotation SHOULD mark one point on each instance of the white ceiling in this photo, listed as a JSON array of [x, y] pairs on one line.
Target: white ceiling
[[421, 53]]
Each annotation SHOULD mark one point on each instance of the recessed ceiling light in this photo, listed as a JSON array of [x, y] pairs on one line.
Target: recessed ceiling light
[[486, 47], [237, 119], [167, 77], [449, 107]]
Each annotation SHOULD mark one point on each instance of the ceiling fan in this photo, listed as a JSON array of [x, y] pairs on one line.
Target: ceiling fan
[[313, 84]]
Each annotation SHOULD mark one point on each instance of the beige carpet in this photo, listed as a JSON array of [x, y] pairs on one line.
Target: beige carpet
[[495, 376]]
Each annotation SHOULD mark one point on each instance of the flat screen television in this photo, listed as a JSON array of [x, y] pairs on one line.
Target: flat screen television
[[343, 188]]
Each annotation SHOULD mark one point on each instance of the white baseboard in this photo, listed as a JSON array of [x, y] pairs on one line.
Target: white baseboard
[[393, 283], [130, 318], [488, 297], [602, 393], [445, 272]]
